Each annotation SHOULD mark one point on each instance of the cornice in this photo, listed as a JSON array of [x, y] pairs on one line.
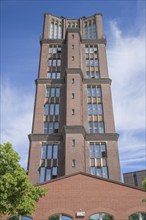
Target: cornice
[[45, 137], [102, 137], [94, 41], [74, 129], [49, 81], [51, 41], [95, 81]]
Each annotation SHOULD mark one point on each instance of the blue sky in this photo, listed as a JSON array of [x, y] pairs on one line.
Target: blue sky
[[124, 27]]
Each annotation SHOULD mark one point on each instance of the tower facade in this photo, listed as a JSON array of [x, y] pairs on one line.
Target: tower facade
[[73, 123]]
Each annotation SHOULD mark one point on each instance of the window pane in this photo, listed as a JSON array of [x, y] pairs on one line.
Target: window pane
[[95, 127], [101, 127], [57, 92], [92, 170], [104, 172], [51, 109], [50, 127], [50, 62], [97, 75], [55, 152], [43, 152], [87, 62], [54, 62], [97, 151], [52, 92], [89, 109], [88, 92], [58, 62], [58, 75], [90, 127], [88, 74], [56, 127], [92, 151], [99, 92], [45, 127], [100, 109], [46, 109], [94, 109], [54, 171], [49, 154], [96, 62], [48, 92], [48, 174], [49, 75], [42, 174], [53, 75], [56, 109], [94, 92], [98, 171]]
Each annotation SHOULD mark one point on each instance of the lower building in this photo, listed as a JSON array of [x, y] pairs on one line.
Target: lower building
[[87, 197], [135, 178]]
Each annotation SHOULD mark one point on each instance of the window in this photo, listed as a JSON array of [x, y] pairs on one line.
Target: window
[[60, 217], [73, 142], [94, 91], [55, 30], [72, 46], [72, 58], [73, 36], [51, 109], [89, 30], [92, 74], [73, 80], [91, 62], [98, 159], [52, 92], [53, 75], [51, 127], [101, 216], [138, 216], [49, 152], [73, 95], [96, 127], [100, 112], [73, 163], [73, 111]]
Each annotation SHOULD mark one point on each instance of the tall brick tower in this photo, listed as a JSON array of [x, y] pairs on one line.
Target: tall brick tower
[[73, 124]]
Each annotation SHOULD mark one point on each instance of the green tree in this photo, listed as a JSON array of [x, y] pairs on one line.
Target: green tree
[[17, 195], [144, 186]]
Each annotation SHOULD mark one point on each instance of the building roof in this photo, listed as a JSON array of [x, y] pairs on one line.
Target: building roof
[[91, 176]]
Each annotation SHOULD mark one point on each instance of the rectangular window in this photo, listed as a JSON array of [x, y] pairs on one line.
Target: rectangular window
[[48, 91], [52, 92], [73, 163], [54, 63], [58, 62], [50, 62], [101, 127], [57, 92], [58, 75], [56, 109], [98, 91], [42, 174], [89, 109], [99, 171], [49, 75], [92, 170], [45, 127], [56, 127], [46, 109], [51, 109], [50, 127], [54, 172], [94, 91], [104, 172], [89, 92], [49, 154], [95, 127], [53, 75], [97, 151], [94, 109], [73, 142], [48, 174], [100, 109], [73, 95], [43, 152], [92, 151], [96, 62], [90, 127], [55, 151]]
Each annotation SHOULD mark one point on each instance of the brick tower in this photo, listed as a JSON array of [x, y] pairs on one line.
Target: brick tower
[[73, 124]]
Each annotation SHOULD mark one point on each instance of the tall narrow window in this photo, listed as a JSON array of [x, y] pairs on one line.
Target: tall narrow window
[[73, 163]]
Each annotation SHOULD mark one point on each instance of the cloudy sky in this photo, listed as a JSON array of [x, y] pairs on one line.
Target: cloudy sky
[[124, 27]]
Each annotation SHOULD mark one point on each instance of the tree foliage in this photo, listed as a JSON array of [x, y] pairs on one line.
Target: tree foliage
[[17, 194]]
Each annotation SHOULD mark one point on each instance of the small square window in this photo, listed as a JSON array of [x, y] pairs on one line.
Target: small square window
[[73, 163]]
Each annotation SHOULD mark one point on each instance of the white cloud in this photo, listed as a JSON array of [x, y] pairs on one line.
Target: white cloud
[[126, 62], [16, 111]]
